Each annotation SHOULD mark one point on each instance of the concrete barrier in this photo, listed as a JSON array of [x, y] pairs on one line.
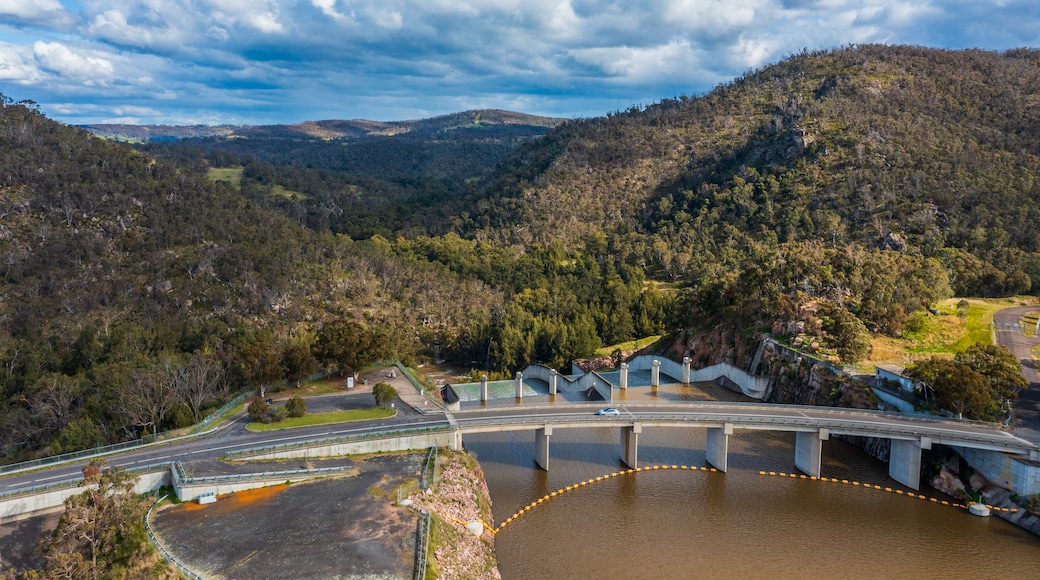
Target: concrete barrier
[[53, 497], [359, 446]]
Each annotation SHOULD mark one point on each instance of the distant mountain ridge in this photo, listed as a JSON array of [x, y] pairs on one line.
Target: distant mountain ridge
[[327, 129]]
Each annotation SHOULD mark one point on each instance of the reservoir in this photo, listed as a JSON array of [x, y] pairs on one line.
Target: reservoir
[[684, 524]]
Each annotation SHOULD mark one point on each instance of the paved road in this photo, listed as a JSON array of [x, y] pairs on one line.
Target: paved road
[[1025, 409], [758, 416], [233, 436]]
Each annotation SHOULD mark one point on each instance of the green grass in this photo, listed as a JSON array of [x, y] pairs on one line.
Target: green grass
[[233, 175], [324, 418], [627, 346], [945, 334], [229, 174]]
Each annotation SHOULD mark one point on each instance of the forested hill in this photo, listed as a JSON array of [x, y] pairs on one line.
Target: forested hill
[[388, 177], [845, 190], [927, 152], [118, 273], [484, 119]]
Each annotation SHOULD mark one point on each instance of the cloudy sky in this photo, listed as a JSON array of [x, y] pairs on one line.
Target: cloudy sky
[[284, 61]]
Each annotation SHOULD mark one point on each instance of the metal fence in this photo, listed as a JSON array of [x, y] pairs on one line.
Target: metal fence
[[266, 475], [158, 545], [430, 469], [422, 545]]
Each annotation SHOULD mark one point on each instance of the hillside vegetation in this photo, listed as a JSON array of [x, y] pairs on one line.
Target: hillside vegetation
[[834, 194]]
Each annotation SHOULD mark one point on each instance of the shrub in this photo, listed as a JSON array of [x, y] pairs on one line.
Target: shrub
[[276, 415], [257, 409], [296, 406], [384, 393]]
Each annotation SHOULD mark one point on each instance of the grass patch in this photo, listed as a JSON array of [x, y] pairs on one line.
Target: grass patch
[[627, 346], [324, 418], [944, 334], [232, 175]]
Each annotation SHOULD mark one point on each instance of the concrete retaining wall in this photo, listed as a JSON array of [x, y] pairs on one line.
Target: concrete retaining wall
[[903, 406], [754, 386], [1019, 475], [55, 498], [338, 449]]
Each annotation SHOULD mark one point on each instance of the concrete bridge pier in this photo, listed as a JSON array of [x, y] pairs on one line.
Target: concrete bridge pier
[[686, 370], [808, 451], [483, 389], [717, 452], [624, 376], [655, 374], [541, 447], [904, 461], [519, 385], [630, 445], [553, 375]]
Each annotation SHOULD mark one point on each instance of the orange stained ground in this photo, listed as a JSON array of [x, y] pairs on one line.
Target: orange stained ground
[[233, 501]]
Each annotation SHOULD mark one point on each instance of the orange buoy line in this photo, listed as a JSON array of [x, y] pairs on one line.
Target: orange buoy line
[[591, 481], [908, 494]]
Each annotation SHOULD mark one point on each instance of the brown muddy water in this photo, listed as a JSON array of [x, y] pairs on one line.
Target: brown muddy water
[[739, 524]]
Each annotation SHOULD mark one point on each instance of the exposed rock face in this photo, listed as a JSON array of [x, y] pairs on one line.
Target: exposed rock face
[[456, 501]]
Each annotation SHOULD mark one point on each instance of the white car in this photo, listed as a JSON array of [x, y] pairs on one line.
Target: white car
[[609, 411]]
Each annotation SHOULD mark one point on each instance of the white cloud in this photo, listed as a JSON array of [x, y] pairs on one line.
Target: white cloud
[[328, 7], [58, 59], [17, 65], [283, 60], [35, 12]]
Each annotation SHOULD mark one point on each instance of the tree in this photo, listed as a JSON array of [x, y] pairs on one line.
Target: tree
[[101, 533], [147, 396], [954, 386], [349, 345], [384, 393], [999, 366], [296, 406], [199, 381], [257, 358], [298, 362], [847, 334]]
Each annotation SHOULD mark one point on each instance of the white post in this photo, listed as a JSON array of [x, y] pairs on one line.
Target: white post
[[519, 385], [624, 375], [655, 374]]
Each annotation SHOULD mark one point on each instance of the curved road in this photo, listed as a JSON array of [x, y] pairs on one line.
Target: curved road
[[1026, 408]]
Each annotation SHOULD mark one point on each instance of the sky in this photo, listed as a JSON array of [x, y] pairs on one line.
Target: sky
[[186, 62]]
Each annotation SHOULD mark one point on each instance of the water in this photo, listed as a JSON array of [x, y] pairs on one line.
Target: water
[[683, 524]]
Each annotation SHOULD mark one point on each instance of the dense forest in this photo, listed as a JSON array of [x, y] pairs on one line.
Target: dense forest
[[850, 189]]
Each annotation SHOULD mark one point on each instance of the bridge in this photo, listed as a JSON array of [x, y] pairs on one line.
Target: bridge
[[908, 434]]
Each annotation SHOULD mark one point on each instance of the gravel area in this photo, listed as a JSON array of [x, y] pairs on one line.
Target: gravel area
[[344, 527]]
